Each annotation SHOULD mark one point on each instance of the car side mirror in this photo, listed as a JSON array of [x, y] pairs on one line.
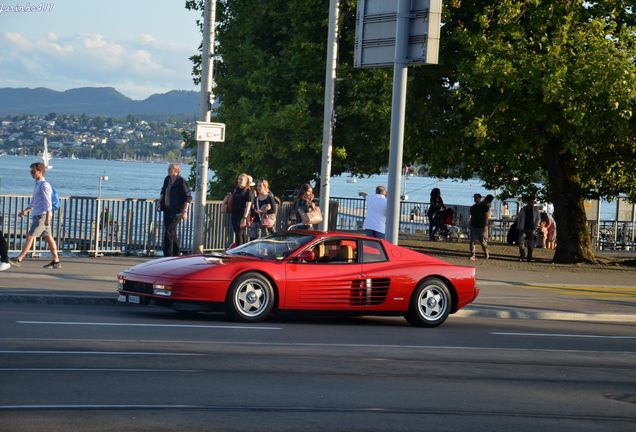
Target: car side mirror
[[306, 255]]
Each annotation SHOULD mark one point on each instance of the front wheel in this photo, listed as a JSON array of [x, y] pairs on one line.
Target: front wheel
[[430, 304], [250, 298]]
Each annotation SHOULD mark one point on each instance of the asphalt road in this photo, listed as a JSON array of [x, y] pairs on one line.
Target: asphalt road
[[99, 368]]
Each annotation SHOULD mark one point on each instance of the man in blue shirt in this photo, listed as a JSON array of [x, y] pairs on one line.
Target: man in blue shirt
[[40, 209]]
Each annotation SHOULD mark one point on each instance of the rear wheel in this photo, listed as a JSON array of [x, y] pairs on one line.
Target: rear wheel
[[250, 298], [430, 303]]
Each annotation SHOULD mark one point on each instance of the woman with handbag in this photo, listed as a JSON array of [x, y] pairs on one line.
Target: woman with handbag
[[242, 199], [307, 213], [265, 209]]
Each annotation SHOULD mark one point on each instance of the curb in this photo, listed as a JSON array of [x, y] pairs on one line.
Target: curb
[[61, 299], [536, 314], [467, 312]]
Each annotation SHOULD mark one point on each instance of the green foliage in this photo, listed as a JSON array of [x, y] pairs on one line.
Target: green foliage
[[532, 74], [269, 76], [530, 96]]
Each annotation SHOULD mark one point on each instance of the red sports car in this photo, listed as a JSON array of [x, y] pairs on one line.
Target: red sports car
[[306, 271]]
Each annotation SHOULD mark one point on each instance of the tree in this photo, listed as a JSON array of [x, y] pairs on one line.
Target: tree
[[540, 97], [531, 96], [269, 76]]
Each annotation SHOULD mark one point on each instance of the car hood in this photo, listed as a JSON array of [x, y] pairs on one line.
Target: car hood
[[185, 265]]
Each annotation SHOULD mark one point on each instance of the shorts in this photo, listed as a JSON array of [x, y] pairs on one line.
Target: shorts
[[478, 235], [38, 228]]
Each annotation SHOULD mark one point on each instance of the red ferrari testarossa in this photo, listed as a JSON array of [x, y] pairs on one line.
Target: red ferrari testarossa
[[306, 271]]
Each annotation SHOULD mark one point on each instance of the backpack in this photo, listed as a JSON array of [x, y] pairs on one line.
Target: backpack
[[55, 200]]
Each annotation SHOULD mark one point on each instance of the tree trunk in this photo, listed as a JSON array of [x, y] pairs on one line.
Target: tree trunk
[[573, 238]]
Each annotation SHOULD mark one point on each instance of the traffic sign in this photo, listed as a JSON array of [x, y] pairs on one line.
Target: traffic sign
[[211, 132], [376, 28]]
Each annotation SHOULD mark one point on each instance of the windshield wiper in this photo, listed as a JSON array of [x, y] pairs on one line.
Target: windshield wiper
[[243, 253]]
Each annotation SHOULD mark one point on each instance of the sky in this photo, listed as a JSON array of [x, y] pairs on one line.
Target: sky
[[139, 47]]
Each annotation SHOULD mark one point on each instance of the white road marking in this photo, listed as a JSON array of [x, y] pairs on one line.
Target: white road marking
[[106, 324], [14, 275], [94, 370], [83, 407], [313, 345], [563, 335], [100, 353]]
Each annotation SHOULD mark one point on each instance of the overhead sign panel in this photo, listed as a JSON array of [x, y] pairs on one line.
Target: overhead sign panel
[[375, 33]]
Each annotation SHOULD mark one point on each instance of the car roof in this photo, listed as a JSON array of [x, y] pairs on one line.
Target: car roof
[[325, 234]]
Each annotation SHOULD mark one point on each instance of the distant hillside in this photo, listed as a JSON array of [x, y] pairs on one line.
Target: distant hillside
[[94, 101]]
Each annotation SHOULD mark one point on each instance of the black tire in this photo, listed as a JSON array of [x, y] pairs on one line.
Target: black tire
[[250, 298], [430, 303]]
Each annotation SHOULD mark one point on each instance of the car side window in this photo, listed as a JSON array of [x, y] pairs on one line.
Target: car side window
[[372, 251], [347, 251], [337, 251]]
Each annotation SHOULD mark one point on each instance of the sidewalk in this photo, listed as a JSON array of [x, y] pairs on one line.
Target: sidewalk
[[509, 289]]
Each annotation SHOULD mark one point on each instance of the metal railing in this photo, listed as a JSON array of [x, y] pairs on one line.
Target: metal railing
[[413, 218], [613, 235], [122, 225], [133, 226]]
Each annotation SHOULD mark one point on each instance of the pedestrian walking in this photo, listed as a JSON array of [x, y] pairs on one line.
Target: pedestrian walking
[[41, 210], [174, 202], [435, 207], [478, 226], [265, 208], [551, 236], [528, 220], [4, 253], [375, 220], [242, 200], [308, 213]]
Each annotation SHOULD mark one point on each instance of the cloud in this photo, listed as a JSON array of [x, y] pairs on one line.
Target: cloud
[[149, 41], [146, 38], [111, 54], [136, 67], [50, 45], [19, 41], [144, 63]]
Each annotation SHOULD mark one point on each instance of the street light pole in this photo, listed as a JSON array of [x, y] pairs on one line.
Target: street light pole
[[98, 219], [203, 148], [398, 108], [328, 115]]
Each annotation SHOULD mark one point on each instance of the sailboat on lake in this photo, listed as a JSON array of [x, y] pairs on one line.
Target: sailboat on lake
[[46, 156]]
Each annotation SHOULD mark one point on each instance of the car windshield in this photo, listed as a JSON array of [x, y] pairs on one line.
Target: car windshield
[[275, 246]]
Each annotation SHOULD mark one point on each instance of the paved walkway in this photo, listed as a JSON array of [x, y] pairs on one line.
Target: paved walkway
[[509, 289]]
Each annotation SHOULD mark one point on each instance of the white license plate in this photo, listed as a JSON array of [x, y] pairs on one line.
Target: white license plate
[[134, 299]]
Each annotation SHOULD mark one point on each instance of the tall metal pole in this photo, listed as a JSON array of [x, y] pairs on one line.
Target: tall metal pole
[[99, 219], [328, 115], [203, 148], [398, 108], [598, 224]]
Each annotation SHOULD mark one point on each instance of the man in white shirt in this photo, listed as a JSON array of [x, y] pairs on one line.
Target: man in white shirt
[[41, 210], [375, 222]]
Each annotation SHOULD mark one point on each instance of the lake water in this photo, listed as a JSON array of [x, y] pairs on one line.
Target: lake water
[[131, 179]]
